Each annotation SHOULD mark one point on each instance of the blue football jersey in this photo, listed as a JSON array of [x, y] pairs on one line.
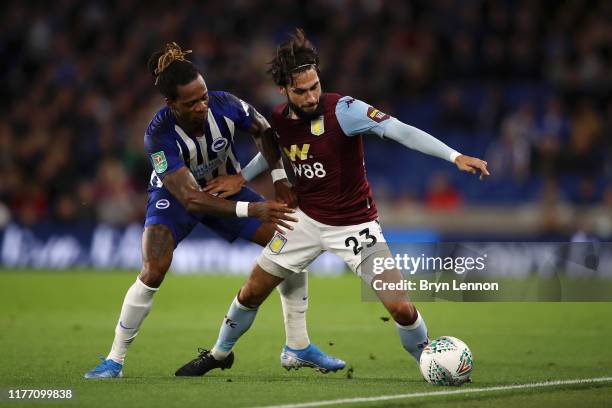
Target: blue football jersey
[[208, 155]]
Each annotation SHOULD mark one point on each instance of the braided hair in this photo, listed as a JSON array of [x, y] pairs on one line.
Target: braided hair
[[293, 56], [170, 69]]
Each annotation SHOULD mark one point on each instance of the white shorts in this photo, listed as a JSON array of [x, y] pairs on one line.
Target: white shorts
[[292, 251]]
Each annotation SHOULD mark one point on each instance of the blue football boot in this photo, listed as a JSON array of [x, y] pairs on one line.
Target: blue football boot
[[311, 357], [106, 369]]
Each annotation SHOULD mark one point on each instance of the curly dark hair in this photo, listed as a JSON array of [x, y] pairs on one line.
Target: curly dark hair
[[170, 69], [293, 56]]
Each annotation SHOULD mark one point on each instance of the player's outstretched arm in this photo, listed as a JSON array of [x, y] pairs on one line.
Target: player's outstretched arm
[[267, 144], [416, 139], [184, 187], [356, 118], [265, 140], [225, 186], [228, 185]]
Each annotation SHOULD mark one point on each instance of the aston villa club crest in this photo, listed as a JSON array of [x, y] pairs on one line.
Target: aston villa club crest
[[317, 126], [277, 243]]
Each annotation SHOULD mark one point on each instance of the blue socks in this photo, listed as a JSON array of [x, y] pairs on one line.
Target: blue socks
[[237, 321], [414, 337]]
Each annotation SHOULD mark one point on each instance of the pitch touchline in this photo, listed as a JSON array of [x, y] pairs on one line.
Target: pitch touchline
[[436, 393]]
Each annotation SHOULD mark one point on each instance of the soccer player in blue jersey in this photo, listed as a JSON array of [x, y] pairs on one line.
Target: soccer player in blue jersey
[[189, 142], [321, 135]]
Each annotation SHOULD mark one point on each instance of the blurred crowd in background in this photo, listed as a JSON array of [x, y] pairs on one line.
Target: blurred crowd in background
[[527, 85]]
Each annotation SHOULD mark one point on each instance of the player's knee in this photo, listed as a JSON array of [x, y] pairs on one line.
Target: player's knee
[[152, 274], [257, 288], [251, 295], [249, 298], [403, 313]]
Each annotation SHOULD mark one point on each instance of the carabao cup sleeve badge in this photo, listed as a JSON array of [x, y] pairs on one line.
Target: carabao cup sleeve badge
[[159, 161], [277, 244]]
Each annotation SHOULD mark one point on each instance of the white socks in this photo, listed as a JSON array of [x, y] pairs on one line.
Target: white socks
[[136, 306], [139, 300], [294, 298]]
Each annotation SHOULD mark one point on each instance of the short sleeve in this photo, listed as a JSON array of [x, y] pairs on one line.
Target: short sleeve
[[163, 152], [357, 117], [240, 112]]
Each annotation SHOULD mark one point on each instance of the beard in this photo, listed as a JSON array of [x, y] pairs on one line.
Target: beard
[[302, 114], [190, 123]]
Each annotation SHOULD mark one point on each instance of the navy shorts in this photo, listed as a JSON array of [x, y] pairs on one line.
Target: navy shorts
[[164, 208]]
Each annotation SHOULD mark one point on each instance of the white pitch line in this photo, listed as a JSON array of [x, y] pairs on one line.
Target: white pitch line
[[440, 393]]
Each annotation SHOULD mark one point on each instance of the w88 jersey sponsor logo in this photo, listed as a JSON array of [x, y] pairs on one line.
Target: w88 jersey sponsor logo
[[298, 153], [316, 170]]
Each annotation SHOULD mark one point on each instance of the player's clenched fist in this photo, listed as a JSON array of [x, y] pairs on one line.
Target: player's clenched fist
[[273, 212]]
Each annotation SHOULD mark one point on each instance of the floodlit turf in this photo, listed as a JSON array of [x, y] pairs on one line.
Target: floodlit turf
[[53, 327]]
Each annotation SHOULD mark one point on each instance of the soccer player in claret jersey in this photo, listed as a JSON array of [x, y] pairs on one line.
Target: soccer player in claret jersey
[[189, 142], [321, 135]]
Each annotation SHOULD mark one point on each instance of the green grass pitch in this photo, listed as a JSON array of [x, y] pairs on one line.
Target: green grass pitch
[[54, 325]]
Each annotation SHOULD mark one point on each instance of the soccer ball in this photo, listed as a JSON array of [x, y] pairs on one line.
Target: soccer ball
[[446, 361]]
